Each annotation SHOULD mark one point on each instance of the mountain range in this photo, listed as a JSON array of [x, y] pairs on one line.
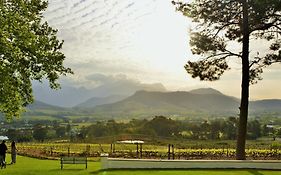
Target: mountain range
[[142, 104], [71, 96]]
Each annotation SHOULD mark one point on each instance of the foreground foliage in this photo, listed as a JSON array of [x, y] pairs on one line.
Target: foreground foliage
[[29, 50]]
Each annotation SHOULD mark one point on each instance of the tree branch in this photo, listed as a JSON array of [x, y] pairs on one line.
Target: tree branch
[[258, 59], [221, 28], [234, 54], [263, 27]]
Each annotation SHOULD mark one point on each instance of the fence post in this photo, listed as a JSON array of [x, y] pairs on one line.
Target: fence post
[[141, 150], [88, 147], [51, 150], [227, 151], [173, 152], [169, 151], [137, 150]]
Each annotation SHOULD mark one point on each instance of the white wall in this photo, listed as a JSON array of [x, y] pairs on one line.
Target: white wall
[[114, 163]]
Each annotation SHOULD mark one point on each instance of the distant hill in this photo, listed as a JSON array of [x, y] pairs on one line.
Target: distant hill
[[206, 91], [193, 103], [42, 111], [171, 103], [38, 105], [273, 105], [95, 101]]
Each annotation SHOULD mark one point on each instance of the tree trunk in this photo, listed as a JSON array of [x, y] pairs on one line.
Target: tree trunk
[[242, 128]]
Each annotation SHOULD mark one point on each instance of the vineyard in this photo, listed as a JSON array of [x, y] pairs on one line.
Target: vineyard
[[151, 151]]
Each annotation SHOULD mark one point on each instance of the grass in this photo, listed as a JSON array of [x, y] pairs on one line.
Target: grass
[[31, 166]]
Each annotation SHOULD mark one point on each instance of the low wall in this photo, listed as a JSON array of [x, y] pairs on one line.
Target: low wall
[[117, 163]]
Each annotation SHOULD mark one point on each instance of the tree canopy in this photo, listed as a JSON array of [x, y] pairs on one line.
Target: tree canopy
[[221, 22], [29, 50]]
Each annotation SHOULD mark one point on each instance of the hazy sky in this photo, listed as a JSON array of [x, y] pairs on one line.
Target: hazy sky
[[144, 40]]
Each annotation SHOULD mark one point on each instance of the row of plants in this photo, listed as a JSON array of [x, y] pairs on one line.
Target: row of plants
[[55, 150]]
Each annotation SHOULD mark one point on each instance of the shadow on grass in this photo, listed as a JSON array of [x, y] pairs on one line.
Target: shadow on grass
[[68, 169], [255, 172], [252, 171], [97, 172]]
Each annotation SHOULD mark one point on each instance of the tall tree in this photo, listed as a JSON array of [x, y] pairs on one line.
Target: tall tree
[[29, 50], [40, 132], [164, 127], [221, 22]]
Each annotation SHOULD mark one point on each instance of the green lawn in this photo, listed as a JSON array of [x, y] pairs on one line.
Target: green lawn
[[30, 166]]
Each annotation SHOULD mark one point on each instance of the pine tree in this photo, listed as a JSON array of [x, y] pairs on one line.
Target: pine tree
[[223, 21]]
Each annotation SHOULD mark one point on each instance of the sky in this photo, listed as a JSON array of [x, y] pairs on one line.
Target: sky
[[141, 40]]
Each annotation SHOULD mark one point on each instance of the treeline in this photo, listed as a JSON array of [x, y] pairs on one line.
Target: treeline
[[41, 132], [159, 126]]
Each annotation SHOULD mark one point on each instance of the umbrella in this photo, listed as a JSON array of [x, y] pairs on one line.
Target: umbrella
[[131, 141], [4, 138]]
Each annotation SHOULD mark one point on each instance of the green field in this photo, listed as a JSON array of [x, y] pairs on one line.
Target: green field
[[31, 166]]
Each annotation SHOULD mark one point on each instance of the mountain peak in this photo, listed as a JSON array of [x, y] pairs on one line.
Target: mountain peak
[[206, 91]]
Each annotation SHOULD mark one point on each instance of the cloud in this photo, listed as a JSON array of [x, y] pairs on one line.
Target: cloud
[[130, 37], [121, 84], [95, 27], [100, 78], [143, 40], [108, 80]]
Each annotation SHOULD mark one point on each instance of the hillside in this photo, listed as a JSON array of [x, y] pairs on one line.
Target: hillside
[[205, 91], [171, 103], [95, 101], [40, 110], [273, 105], [39, 105]]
